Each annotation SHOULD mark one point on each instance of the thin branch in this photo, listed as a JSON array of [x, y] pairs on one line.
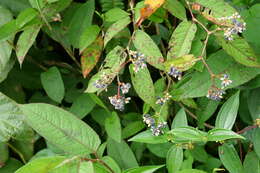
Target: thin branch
[[247, 129]]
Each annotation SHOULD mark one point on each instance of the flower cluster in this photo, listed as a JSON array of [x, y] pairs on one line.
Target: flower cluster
[[175, 73], [103, 82], [138, 59], [125, 87], [164, 99], [215, 93], [225, 81], [119, 101], [155, 128], [235, 28]]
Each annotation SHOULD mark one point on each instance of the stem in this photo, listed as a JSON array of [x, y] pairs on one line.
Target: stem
[[18, 152], [247, 129]]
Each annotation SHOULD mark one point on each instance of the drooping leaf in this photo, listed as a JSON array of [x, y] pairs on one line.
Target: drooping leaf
[[121, 153], [147, 137], [25, 41], [53, 84], [227, 115], [218, 134], [230, 159], [174, 159], [90, 56], [11, 118], [61, 128], [240, 50], [251, 163], [113, 127], [88, 36], [181, 40], [115, 29], [112, 67], [180, 119], [176, 9], [146, 169], [143, 84], [41, 165], [144, 44]]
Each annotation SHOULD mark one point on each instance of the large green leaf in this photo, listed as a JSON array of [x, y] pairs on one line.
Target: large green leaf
[[181, 39], [121, 153], [176, 9], [25, 16], [227, 115], [251, 163], [88, 36], [198, 83], [11, 118], [147, 137], [253, 103], [218, 134], [256, 141], [113, 127], [53, 84], [144, 169], [61, 128], [191, 171], [116, 28], [174, 159], [25, 41], [144, 44], [143, 84], [41, 165], [230, 159], [240, 50], [11, 166], [4, 153], [180, 119]]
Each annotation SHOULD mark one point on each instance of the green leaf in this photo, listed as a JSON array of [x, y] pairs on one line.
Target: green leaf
[[11, 118], [112, 164], [188, 134], [11, 166], [159, 150], [8, 30], [198, 83], [41, 165], [75, 136], [144, 44], [253, 103], [218, 134], [4, 153], [53, 84], [82, 106], [25, 41], [181, 39], [147, 137], [256, 141], [240, 50], [88, 37], [113, 127], [174, 159], [182, 63], [144, 169], [143, 84], [230, 159], [180, 119], [25, 17], [112, 67], [227, 115], [176, 9], [115, 14], [121, 153], [86, 167], [115, 29], [251, 163], [191, 171], [132, 128], [82, 18]]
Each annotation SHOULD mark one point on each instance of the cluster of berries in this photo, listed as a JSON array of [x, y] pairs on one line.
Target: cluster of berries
[[103, 82], [138, 60], [216, 93], [156, 128], [119, 101], [164, 99], [235, 28], [175, 73]]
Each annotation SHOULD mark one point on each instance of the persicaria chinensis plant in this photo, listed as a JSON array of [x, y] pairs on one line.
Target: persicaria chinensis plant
[[129, 86]]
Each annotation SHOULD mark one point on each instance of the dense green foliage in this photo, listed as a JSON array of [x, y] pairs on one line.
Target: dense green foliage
[[131, 86]]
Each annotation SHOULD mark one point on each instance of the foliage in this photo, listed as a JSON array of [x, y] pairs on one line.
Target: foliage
[[129, 86]]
